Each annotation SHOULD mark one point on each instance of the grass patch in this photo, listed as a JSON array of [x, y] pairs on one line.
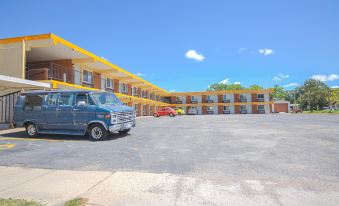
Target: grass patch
[[322, 112], [18, 202], [76, 202]]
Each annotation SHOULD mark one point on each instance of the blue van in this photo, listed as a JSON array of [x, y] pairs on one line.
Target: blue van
[[73, 112]]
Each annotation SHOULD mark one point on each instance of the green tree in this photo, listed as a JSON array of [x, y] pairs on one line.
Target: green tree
[[255, 87], [222, 87], [279, 93], [313, 94]]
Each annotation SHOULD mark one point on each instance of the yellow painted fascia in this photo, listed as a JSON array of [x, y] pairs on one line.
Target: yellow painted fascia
[[219, 92], [25, 38], [87, 53]]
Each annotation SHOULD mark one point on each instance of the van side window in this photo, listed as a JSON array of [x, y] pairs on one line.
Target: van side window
[[66, 99], [52, 100], [33, 102], [81, 98]]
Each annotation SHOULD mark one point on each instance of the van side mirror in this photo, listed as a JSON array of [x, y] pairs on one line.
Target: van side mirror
[[81, 104]]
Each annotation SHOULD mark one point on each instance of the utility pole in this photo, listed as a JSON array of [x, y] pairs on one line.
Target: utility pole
[[329, 99]]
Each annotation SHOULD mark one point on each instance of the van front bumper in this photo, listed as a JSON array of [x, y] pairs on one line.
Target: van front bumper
[[121, 127]]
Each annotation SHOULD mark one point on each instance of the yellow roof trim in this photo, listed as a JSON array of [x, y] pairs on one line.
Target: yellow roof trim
[[26, 38], [220, 92]]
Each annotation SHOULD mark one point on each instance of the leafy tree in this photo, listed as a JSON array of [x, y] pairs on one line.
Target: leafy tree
[[313, 94], [255, 87], [222, 87], [279, 93]]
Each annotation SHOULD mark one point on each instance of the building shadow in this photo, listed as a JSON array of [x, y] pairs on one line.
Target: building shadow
[[12, 135]]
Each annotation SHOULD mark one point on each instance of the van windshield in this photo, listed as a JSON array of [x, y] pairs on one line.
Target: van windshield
[[106, 99]]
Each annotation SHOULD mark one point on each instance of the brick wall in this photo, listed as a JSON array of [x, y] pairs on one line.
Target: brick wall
[[173, 99], [129, 89], [97, 80], [116, 86], [254, 108], [204, 110], [188, 100], [67, 63], [220, 109], [204, 99], [237, 109], [236, 97], [220, 98], [254, 97]]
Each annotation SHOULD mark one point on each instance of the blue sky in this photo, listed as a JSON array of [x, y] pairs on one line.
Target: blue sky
[[250, 42]]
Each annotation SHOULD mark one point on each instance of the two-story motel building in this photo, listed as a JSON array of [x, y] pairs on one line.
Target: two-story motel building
[[47, 61]]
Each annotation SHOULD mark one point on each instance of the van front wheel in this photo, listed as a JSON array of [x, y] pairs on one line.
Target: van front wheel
[[31, 130], [97, 132]]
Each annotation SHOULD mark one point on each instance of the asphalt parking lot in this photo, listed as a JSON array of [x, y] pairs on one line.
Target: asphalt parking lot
[[296, 151]]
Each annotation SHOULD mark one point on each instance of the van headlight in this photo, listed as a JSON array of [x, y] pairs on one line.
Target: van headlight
[[114, 118]]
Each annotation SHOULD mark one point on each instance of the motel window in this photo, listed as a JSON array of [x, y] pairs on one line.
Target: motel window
[[243, 107], [226, 108], [208, 98], [135, 91], [143, 94], [87, 77], [224, 97], [179, 98], [136, 108], [109, 83], [242, 96], [261, 107], [124, 88], [210, 108], [193, 98], [260, 96]]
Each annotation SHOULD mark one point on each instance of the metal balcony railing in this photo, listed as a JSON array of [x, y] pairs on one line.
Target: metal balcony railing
[[226, 101], [46, 71], [243, 111]]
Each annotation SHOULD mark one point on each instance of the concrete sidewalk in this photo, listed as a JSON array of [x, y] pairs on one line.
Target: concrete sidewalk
[[54, 187]]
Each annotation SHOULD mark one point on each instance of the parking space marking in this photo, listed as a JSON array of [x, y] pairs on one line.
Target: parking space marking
[[30, 139], [6, 146]]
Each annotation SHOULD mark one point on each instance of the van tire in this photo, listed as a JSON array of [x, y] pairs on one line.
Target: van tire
[[171, 114], [31, 130], [97, 132], [124, 131]]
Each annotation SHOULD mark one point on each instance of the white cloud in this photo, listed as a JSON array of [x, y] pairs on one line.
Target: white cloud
[[192, 54], [242, 50], [172, 90], [291, 85], [141, 74], [225, 81], [335, 87], [237, 83], [280, 77], [325, 78], [104, 58], [266, 52]]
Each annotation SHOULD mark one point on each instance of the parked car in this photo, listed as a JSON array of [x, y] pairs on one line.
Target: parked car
[[297, 111], [192, 111], [180, 111], [73, 113], [166, 111]]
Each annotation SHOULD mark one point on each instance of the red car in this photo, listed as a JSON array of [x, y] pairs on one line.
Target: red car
[[166, 111]]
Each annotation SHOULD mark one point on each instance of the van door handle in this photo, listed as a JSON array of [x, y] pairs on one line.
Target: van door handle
[[57, 109]]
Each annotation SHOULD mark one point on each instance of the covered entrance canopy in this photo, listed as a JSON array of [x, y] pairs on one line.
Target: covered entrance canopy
[[9, 85]]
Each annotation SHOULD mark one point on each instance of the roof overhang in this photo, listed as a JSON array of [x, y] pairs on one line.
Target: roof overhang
[[12, 84], [48, 47]]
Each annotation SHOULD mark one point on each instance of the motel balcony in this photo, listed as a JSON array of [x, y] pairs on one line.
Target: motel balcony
[[260, 100], [243, 100], [227, 112], [48, 71], [209, 101], [178, 102], [226, 101], [210, 112], [194, 102]]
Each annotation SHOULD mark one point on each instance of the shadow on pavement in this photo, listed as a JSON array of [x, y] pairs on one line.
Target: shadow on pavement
[[22, 135]]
